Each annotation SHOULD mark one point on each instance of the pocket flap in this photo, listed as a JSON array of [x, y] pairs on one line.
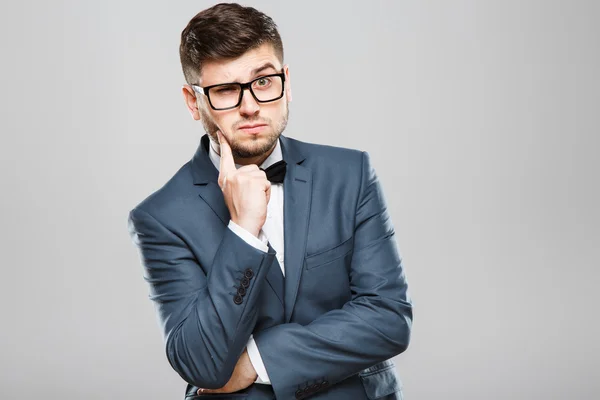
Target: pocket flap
[[329, 255]]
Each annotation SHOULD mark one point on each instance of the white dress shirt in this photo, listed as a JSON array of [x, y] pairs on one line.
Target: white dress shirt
[[272, 232]]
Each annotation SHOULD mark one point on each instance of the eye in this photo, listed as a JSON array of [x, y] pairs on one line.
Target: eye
[[262, 82], [225, 89]]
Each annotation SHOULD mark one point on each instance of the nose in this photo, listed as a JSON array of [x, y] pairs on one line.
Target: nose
[[249, 105]]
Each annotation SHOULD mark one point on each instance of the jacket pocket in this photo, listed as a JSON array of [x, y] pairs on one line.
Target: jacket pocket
[[381, 381], [329, 255]]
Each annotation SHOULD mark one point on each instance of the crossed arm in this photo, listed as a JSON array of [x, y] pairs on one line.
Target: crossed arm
[[206, 332]]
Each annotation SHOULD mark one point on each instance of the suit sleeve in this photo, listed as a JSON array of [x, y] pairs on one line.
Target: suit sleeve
[[373, 326], [206, 319], [259, 242]]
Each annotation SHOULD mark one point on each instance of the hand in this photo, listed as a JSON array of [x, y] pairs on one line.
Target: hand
[[246, 190], [243, 376]]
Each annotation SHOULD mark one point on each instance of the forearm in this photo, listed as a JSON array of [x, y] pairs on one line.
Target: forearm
[[351, 347]]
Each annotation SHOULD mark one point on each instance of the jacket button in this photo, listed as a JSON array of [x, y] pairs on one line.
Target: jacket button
[[241, 291], [248, 273], [237, 299], [324, 383], [245, 282], [315, 387]]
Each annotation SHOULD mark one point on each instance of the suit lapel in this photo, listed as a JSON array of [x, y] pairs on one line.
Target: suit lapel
[[205, 177], [297, 187], [213, 196]]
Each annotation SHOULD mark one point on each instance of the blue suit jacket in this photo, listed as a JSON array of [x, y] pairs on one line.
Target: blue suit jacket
[[328, 329]]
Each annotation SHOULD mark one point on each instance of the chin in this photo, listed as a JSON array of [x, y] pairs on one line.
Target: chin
[[255, 145], [261, 137]]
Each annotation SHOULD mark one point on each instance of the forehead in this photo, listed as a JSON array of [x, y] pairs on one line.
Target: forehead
[[239, 69]]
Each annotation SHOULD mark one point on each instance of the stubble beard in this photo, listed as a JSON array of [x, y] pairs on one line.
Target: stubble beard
[[258, 146]]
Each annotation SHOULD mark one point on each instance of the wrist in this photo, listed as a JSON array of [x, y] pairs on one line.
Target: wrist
[[249, 226], [251, 373]]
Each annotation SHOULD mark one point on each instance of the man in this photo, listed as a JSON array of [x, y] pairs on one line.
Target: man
[[282, 281]]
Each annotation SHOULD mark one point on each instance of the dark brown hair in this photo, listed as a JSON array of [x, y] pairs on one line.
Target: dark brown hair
[[226, 30]]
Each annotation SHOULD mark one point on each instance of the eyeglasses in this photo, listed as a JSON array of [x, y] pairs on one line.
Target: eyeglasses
[[226, 96]]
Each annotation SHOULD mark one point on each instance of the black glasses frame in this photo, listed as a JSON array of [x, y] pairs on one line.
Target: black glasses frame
[[248, 85]]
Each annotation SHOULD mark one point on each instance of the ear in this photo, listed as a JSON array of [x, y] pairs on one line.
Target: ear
[[191, 101], [288, 83]]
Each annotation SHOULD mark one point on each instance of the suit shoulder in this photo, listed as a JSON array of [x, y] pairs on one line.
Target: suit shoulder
[[163, 198], [330, 155]]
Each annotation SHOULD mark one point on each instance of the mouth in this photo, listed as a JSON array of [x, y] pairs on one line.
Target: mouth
[[252, 128]]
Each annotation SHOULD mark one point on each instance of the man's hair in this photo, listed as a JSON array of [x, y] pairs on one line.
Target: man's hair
[[224, 31]]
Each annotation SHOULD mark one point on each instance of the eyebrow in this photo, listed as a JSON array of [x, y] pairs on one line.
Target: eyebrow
[[260, 69], [254, 72]]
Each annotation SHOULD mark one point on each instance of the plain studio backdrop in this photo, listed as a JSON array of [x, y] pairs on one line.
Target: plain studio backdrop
[[481, 118]]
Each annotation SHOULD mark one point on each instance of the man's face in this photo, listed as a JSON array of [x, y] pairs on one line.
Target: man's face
[[252, 128]]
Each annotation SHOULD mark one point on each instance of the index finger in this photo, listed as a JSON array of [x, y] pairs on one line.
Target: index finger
[[226, 165]]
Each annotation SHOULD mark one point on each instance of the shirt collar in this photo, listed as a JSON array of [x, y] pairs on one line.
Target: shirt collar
[[275, 156]]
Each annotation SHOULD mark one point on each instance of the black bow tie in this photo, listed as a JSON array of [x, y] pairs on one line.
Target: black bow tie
[[276, 172]]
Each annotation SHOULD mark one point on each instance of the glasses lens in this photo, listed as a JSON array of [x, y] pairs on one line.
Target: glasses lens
[[267, 88], [224, 96]]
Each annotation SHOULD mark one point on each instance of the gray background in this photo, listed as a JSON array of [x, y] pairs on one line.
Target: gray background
[[482, 121]]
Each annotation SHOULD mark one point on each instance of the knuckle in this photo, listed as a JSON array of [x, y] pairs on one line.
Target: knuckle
[[241, 177]]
